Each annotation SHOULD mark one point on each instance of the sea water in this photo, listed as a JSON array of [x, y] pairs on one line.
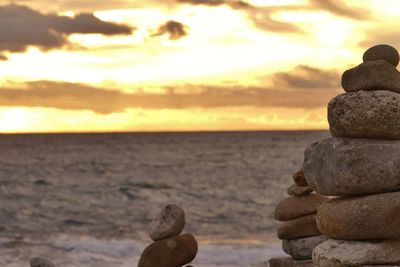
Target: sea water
[[86, 199]]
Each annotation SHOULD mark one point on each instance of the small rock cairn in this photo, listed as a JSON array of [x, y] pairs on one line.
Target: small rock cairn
[[361, 166], [170, 248], [299, 231]]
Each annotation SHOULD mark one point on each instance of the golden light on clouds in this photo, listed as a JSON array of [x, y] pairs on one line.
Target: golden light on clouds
[[129, 65]]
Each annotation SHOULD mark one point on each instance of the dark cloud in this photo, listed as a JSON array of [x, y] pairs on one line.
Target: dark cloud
[[306, 77], [22, 27], [340, 8], [174, 29], [296, 92]]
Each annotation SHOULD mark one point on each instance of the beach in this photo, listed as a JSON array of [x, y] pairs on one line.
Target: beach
[[86, 199]]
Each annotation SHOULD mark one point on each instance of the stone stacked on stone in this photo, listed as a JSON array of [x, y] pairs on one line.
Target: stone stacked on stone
[[170, 248], [360, 165], [299, 231]]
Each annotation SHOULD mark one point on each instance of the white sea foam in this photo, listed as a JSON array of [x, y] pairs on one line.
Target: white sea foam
[[126, 253]]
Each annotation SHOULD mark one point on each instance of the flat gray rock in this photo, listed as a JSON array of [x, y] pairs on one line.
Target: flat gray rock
[[168, 223], [337, 253], [369, 217], [365, 114], [372, 75], [41, 262], [301, 248], [346, 167], [382, 52]]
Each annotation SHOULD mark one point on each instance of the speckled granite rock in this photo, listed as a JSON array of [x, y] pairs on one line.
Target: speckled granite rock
[[361, 218], [168, 223], [301, 248], [345, 167], [382, 52], [372, 75], [171, 252], [336, 253], [365, 114], [303, 226], [294, 207]]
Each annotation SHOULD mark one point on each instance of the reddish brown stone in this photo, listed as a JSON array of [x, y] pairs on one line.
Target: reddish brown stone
[[299, 178], [298, 191], [171, 252], [294, 207], [303, 226]]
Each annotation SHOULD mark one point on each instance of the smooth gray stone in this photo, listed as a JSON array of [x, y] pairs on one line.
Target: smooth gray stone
[[346, 167], [168, 223], [372, 75], [365, 114], [301, 248], [369, 217], [383, 52], [41, 262], [338, 253], [289, 262]]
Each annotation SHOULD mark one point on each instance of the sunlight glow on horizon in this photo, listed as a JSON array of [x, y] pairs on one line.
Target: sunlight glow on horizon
[[223, 48]]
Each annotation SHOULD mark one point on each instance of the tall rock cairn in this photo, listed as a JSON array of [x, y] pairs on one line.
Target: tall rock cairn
[[170, 248], [298, 231], [361, 166]]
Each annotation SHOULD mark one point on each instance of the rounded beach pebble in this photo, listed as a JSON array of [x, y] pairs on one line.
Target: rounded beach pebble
[[168, 223], [303, 226], [370, 217], [347, 167], [372, 76], [293, 207], [382, 52], [301, 248], [41, 262], [365, 114], [171, 252]]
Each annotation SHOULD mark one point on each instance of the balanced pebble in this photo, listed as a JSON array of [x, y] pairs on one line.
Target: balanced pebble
[[168, 223], [382, 52]]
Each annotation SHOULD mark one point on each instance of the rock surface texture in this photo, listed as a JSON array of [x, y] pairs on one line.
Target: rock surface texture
[[361, 218], [172, 252], [372, 76], [289, 262], [382, 52], [294, 207], [303, 226], [301, 248], [168, 223], [334, 253], [346, 167], [365, 114]]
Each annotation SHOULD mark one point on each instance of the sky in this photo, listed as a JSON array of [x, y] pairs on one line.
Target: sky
[[181, 65]]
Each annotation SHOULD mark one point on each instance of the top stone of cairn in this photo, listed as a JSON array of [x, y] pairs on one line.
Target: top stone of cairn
[[382, 52]]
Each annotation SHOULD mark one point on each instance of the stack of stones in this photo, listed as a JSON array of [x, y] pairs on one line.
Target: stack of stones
[[170, 248], [299, 230], [360, 165]]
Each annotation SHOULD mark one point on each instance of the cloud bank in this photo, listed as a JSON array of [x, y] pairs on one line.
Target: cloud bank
[[305, 87], [22, 27]]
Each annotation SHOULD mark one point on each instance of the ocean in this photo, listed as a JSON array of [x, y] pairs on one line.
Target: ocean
[[86, 199]]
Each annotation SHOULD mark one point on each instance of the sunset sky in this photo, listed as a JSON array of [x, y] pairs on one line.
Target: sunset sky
[[161, 65]]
